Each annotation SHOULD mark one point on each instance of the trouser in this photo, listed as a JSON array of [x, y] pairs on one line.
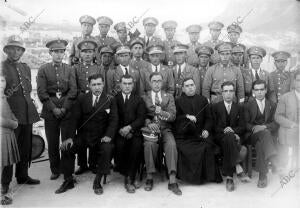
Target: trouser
[[103, 152], [169, 146], [265, 149], [82, 156], [127, 155], [53, 129], [230, 149]]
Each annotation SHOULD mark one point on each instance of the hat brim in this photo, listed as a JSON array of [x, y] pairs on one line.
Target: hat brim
[[180, 51], [16, 45], [122, 51]]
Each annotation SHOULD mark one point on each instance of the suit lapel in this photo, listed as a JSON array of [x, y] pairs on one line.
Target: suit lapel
[[233, 113], [164, 98], [267, 109], [223, 112]]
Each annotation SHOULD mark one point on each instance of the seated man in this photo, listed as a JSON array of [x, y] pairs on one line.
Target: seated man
[[95, 117], [229, 128], [196, 158], [128, 141], [260, 124], [161, 111]]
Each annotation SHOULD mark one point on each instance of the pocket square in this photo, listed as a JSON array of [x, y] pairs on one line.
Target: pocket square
[[107, 111]]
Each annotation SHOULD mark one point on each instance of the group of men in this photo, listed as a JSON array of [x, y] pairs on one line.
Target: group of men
[[129, 100]]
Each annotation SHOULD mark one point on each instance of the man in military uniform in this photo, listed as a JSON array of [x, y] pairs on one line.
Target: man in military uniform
[[137, 49], [18, 89], [83, 70], [215, 28], [237, 56], [150, 24], [204, 54], [194, 34], [103, 39], [121, 30], [170, 29], [107, 69], [254, 72], [234, 32], [219, 73], [87, 23], [123, 53], [56, 88], [156, 66], [282, 80], [183, 70]]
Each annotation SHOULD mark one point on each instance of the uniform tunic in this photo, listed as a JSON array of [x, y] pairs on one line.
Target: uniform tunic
[[169, 56], [192, 57], [282, 82]]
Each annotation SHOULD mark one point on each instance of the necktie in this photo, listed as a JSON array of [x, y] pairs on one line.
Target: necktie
[[96, 101], [126, 71], [156, 70], [179, 71], [147, 42], [228, 108], [157, 102], [126, 100], [256, 75]]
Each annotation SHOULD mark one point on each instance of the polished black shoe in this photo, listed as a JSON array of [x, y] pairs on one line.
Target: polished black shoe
[[149, 185], [67, 184], [54, 176], [229, 184], [98, 190], [4, 189], [81, 170], [5, 200], [174, 188], [93, 169], [97, 185], [28, 180]]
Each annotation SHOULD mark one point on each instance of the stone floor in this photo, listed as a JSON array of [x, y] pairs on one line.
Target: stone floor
[[200, 196]]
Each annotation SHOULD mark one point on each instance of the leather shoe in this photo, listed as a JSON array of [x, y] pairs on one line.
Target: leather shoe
[[28, 180], [229, 184], [5, 200], [54, 176], [149, 185], [67, 184], [174, 188], [98, 190], [97, 185], [81, 170], [4, 189], [262, 183], [130, 188]]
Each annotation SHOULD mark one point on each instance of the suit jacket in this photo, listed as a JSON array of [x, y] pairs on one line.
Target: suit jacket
[[133, 113], [287, 114], [188, 71], [168, 80], [236, 119], [20, 101], [108, 75], [118, 73], [251, 110], [93, 123], [167, 104], [264, 75]]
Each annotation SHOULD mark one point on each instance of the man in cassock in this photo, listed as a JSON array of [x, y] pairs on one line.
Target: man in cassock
[[196, 150]]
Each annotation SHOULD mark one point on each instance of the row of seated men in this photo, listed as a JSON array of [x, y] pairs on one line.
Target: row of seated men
[[60, 86]]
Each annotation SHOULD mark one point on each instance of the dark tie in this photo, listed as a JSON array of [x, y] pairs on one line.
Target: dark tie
[[256, 75], [179, 71], [157, 102], [96, 101], [147, 42], [126, 100], [126, 71], [156, 69]]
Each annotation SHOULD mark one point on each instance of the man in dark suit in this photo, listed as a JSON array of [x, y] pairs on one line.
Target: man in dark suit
[[95, 117], [128, 142], [260, 125], [229, 128], [161, 111], [18, 89]]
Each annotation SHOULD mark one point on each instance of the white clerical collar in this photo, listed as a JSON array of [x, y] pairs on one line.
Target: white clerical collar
[[154, 68]]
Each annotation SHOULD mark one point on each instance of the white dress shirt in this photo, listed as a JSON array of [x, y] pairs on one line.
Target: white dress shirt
[[182, 67], [124, 96], [94, 99], [258, 71], [228, 106], [154, 68], [261, 105], [153, 97], [123, 69]]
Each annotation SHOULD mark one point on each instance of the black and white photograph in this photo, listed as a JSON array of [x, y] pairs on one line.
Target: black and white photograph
[[139, 104]]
